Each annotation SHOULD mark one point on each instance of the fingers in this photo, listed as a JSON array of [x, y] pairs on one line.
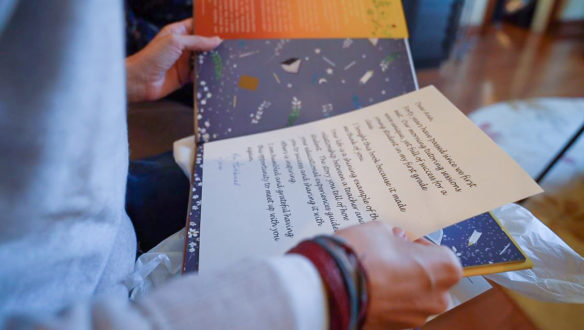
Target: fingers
[[399, 232], [432, 303], [443, 265], [184, 72], [409, 280], [453, 266], [184, 27], [402, 233], [194, 43], [424, 241]]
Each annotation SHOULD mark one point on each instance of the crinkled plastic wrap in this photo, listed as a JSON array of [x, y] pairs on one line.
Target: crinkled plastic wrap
[[558, 271], [557, 274], [157, 266]]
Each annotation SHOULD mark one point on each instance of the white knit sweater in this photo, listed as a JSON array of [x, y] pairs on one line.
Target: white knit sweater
[[65, 240]]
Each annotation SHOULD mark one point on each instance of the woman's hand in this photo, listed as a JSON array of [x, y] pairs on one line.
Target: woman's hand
[[408, 281], [163, 65]]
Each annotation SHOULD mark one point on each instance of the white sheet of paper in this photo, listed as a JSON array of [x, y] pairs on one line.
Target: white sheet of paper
[[414, 161]]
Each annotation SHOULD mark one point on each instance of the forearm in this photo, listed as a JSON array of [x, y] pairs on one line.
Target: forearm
[[135, 90], [283, 293]]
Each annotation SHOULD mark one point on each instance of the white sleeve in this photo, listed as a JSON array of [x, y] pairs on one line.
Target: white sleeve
[[281, 293], [306, 290]]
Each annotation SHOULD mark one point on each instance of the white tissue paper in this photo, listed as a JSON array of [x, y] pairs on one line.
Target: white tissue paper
[[558, 271], [157, 266], [557, 274]]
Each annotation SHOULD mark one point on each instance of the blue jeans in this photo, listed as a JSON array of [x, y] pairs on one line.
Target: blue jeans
[[157, 197]]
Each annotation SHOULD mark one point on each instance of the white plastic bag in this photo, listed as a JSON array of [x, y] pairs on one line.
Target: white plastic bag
[[558, 271], [157, 266]]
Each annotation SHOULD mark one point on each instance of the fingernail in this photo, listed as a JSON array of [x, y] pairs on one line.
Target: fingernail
[[399, 232], [218, 39]]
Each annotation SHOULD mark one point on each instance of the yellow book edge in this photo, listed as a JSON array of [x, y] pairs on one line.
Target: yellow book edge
[[499, 267]]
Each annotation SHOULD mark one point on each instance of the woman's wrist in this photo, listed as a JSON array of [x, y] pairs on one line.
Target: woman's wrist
[[344, 278], [135, 90], [354, 273]]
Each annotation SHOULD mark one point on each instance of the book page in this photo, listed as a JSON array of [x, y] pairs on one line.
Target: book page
[[252, 86], [414, 161], [264, 19]]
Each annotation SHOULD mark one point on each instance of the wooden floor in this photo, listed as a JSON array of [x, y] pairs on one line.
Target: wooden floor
[[510, 63]]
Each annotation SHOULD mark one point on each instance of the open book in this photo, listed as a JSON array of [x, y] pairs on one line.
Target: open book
[[414, 161]]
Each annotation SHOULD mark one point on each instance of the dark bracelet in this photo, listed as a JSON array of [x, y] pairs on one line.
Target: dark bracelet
[[337, 297], [344, 277], [348, 271], [363, 282]]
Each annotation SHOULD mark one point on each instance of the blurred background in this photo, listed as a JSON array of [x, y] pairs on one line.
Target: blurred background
[[479, 52]]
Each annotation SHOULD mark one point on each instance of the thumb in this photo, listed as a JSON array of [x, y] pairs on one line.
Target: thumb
[[193, 43], [444, 265]]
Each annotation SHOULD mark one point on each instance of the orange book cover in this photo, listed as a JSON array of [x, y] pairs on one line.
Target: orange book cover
[[273, 19]]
